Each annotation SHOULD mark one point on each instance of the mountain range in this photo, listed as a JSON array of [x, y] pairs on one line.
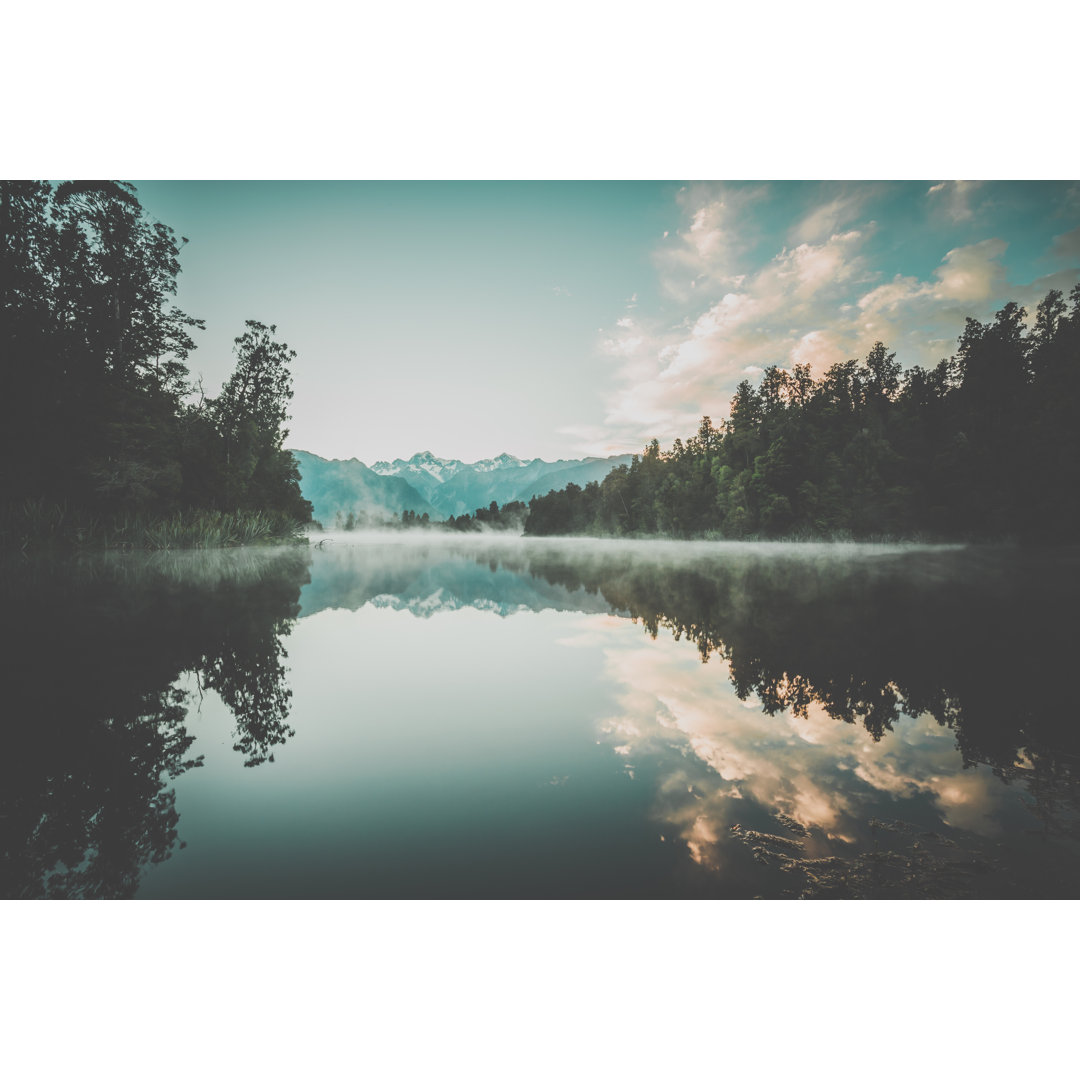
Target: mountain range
[[438, 487]]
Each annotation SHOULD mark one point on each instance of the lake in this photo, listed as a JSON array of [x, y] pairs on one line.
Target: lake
[[413, 715]]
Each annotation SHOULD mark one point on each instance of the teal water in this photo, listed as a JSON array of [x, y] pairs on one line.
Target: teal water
[[401, 717]]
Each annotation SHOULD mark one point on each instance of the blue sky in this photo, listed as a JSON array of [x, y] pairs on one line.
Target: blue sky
[[556, 319]]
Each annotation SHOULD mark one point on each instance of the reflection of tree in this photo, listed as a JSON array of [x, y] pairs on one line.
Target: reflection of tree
[[85, 805], [95, 730], [972, 639], [904, 863], [249, 676]]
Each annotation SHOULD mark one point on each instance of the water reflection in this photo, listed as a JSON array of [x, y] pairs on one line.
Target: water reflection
[[920, 654], [817, 721], [94, 730]]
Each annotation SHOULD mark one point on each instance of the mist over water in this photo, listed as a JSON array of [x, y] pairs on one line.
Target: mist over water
[[417, 714]]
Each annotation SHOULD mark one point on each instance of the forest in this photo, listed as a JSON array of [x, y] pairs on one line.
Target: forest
[[104, 438], [985, 446]]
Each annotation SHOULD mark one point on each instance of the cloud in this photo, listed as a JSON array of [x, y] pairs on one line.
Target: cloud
[[954, 198], [972, 273], [833, 216], [669, 376], [705, 254], [1030, 296], [922, 318], [820, 349], [1067, 246], [817, 300], [966, 274]]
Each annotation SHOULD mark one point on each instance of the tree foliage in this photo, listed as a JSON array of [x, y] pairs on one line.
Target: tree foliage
[[97, 413], [985, 445]]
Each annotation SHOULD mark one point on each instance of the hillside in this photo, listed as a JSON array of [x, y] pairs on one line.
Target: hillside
[[439, 487], [455, 487], [342, 487]]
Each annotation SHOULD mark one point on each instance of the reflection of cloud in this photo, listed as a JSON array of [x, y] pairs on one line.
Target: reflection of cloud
[[966, 802], [596, 630], [820, 772]]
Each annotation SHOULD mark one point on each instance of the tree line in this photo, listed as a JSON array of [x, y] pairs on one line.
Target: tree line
[[100, 417], [984, 445], [508, 517]]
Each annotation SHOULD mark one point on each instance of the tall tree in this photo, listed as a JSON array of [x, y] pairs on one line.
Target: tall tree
[[250, 413]]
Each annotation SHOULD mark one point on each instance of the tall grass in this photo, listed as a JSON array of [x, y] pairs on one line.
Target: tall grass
[[37, 523]]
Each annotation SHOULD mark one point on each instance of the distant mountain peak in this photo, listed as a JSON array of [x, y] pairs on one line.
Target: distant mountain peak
[[444, 486], [503, 461], [441, 468]]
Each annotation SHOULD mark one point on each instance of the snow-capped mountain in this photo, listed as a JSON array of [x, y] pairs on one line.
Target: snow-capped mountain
[[443, 486], [339, 488], [503, 461], [456, 487], [442, 469], [437, 468]]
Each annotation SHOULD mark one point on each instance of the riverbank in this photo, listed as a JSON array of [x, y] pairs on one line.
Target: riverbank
[[37, 524]]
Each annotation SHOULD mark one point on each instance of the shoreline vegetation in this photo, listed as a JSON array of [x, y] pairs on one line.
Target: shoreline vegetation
[[105, 440], [40, 525], [983, 448]]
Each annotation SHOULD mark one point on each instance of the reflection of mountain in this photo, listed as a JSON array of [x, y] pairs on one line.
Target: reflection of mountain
[[839, 685], [428, 578], [92, 723], [858, 672], [865, 634]]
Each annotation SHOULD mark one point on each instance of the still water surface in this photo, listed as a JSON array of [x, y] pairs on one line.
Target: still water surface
[[410, 718]]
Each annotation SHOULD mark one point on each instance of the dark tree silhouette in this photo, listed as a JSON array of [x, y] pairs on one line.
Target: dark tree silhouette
[[95, 727], [95, 418], [984, 446]]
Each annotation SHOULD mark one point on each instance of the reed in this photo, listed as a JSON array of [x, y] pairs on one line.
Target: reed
[[37, 524]]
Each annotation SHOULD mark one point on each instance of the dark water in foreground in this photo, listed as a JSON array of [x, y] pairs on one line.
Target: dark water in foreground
[[479, 719]]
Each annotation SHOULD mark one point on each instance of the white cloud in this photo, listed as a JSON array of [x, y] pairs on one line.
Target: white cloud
[[817, 301], [782, 314], [818, 348], [705, 253], [954, 198], [833, 216], [972, 273]]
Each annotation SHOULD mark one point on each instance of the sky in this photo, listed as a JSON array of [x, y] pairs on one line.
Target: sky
[[563, 319]]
